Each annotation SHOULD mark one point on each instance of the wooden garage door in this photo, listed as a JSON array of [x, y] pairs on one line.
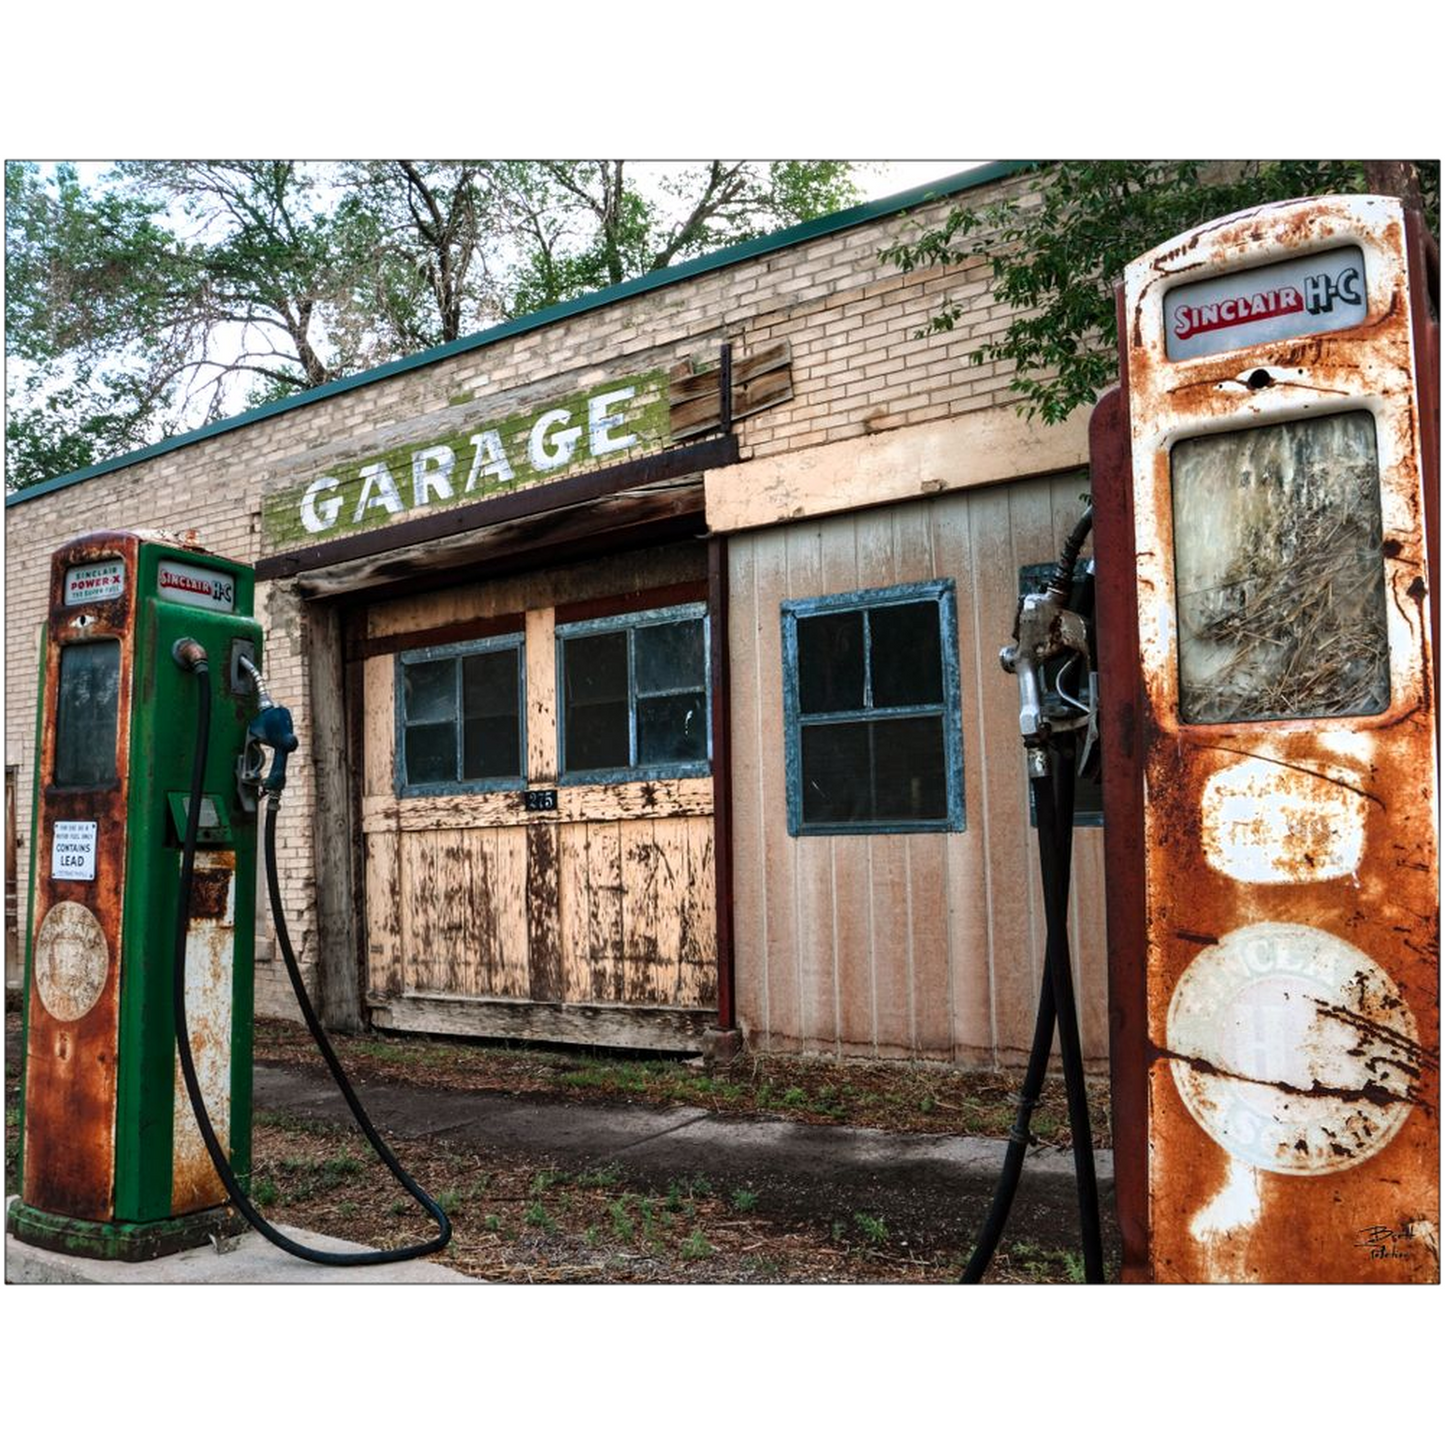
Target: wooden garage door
[[588, 915]]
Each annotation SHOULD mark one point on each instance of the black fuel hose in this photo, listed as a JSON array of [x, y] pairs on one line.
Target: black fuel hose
[[1053, 797], [1055, 833], [1020, 1136], [183, 1039]]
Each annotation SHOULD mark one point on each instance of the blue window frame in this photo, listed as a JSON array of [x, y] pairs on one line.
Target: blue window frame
[[634, 697], [460, 718], [872, 725]]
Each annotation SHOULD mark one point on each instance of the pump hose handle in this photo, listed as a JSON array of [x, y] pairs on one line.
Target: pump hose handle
[[190, 656], [273, 728]]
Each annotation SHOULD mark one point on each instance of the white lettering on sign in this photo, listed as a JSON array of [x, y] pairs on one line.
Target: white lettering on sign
[[1299, 297], [72, 851], [489, 459], [318, 511], [196, 586], [94, 582], [556, 438], [552, 441]]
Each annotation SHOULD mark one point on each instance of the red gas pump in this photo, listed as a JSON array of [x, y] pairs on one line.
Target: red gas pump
[[1264, 484]]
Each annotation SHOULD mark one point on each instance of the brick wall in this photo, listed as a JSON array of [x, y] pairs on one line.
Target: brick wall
[[858, 367]]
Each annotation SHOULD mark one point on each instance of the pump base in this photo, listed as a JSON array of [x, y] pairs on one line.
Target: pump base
[[114, 1239]]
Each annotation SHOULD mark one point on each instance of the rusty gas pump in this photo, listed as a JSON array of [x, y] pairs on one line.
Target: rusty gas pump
[[1264, 485]]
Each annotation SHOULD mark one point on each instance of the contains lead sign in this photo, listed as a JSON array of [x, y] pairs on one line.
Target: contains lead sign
[[72, 851]]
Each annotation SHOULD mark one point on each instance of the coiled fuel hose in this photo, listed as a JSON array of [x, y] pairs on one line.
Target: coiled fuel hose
[[192, 657]]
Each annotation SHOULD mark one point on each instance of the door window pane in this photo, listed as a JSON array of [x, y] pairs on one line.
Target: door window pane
[[595, 725], [460, 717], [669, 657], [635, 695], [1279, 572]]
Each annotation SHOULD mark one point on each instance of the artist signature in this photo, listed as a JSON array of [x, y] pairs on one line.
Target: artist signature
[[1384, 1242]]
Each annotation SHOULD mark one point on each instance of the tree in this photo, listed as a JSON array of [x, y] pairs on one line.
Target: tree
[[1057, 250], [583, 225], [173, 293]]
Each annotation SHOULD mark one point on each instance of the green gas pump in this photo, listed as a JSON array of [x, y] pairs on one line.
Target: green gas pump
[[112, 1161], [153, 721]]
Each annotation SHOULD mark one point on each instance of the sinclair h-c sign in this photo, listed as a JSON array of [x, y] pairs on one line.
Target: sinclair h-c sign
[[1324, 291], [578, 433]]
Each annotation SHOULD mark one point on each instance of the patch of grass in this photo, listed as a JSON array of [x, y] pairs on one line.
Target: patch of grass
[[1039, 1262], [493, 1222], [603, 1178], [695, 1246], [794, 1098], [264, 1193], [624, 1226], [744, 1201], [290, 1123], [538, 1218], [306, 1178], [544, 1181], [873, 1229], [387, 1053]]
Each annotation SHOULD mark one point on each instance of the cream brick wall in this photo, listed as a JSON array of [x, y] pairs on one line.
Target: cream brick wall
[[859, 366]]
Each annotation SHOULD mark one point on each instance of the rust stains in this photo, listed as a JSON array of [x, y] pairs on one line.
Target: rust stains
[[1290, 1010], [70, 1086]]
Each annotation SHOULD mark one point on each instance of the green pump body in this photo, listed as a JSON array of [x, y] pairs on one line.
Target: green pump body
[[112, 1162]]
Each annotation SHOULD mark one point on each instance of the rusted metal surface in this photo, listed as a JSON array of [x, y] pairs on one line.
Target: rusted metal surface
[[1290, 889], [210, 951], [1120, 715], [74, 1006]]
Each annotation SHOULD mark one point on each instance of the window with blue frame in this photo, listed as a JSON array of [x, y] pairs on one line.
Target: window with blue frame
[[634, 696], [459, 717], [871, 712]]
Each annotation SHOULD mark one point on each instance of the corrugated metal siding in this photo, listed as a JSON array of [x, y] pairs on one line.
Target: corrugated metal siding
[[925, 944]]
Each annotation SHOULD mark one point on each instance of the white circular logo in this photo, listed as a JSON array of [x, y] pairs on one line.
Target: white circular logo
[[71, 961], [1292, 1049]]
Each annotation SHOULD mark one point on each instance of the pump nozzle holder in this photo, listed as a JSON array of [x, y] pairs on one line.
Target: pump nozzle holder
[[189, 655]]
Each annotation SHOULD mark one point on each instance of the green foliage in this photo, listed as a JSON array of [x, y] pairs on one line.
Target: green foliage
[[538, 1218], [584, 225], [873, 1229], [695, 1246], [165, 295], [744, 1201], [1057, 250]]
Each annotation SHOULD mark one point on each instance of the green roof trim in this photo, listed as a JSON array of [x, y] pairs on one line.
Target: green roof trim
[[536, 320]]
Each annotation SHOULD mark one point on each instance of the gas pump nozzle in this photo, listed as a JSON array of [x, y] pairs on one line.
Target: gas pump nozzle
[[1049, 637], [272, 728]]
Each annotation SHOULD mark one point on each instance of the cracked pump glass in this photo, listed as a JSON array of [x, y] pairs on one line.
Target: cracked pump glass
[[1279, 572]]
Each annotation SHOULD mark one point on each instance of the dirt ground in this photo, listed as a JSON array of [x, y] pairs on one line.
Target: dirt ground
[[521, 1216]]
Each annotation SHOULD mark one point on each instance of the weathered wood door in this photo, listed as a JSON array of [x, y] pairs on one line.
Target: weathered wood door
[[538, 826]]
